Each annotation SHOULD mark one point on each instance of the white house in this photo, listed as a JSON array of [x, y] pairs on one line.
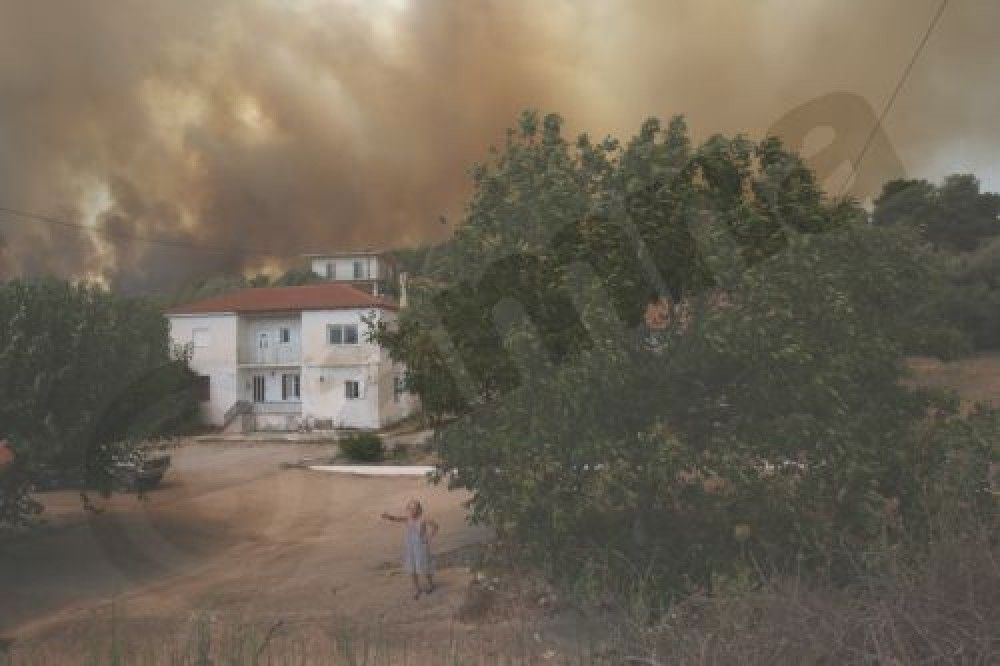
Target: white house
[[371, 271], [284, 358]]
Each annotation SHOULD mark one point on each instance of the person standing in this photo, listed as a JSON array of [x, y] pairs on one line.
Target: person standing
[[420, 530]]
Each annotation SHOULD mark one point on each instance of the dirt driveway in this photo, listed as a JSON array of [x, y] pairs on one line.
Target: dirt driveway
[[230, 533]]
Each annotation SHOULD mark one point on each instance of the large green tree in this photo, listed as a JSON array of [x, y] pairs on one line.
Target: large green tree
[[767, 419], [85, 375]]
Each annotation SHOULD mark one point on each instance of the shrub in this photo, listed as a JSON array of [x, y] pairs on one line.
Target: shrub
[[401, 451], [363, 447]]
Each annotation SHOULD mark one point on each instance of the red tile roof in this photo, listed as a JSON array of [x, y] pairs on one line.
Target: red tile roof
[[327, 296]]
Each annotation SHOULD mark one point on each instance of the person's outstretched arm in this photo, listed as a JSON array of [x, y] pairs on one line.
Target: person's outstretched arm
[[395, 519]]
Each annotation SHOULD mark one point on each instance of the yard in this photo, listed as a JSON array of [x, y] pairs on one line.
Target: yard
[[234, 536], [238, 549]]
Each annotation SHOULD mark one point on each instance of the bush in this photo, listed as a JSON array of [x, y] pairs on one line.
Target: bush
[[363, 447]]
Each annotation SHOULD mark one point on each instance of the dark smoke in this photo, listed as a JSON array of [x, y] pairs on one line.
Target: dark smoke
[[283, 126]]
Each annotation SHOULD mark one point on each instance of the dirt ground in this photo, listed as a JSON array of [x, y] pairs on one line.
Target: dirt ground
[[976, 379], [234, 534]]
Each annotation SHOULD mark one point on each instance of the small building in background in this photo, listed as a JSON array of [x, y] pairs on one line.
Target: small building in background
[[374, 272]]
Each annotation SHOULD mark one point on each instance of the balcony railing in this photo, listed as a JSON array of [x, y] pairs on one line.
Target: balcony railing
[[277, 407], [274, 355]]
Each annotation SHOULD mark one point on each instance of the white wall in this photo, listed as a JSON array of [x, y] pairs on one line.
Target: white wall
[[374, 268], [217, 359], [327, 367], [316, 350], [325, 397], [391, 411]]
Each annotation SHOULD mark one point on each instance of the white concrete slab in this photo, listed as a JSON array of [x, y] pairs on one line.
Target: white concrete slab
[[375, 470]]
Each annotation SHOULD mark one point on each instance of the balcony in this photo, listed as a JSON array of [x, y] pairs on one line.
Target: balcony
[[278, 354], [287, 407]]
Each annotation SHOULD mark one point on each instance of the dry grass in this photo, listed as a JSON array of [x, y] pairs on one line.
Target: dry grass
[[975, 379], [945, 611]]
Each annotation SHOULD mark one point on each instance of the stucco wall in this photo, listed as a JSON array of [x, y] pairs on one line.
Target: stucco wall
[[326, 368], [391, 411], [217, 359], [316, 349], [325, 396]]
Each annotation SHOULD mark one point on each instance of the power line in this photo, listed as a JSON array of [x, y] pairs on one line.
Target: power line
[[153, 240], [895, 93]]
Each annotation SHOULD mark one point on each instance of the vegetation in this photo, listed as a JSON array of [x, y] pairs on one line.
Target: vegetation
[[363, 447], [415, 260], [941, 609], [216, 285], [962, 224], [86, 375], [972, 301], [765, 426], [955, 216]]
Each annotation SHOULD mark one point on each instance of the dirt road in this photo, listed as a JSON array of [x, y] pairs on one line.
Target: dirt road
[[231, 533]]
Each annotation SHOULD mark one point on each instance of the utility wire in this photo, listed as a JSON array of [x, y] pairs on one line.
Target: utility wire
[[892, 99], [219, 249]]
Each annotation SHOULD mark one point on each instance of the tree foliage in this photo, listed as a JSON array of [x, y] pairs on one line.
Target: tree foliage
[[84, 374], [963, 224], [200, 288], [767, 421], [954, 216]]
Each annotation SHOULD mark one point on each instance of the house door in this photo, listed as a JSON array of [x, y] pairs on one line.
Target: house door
[[263, 346], [291, 387], [259, 393]]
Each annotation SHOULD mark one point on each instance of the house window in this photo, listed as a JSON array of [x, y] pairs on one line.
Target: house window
[[342, 334], [200, 338], [285, 335], [397, 388], [290, 386], [259, 394], [203, 388], [331, 270], [359, 270], [352, 389]]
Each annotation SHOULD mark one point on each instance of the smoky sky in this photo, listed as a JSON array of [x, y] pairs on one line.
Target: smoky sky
[[287, 126]]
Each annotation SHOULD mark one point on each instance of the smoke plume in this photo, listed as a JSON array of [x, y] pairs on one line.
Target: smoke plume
[[259, 129]]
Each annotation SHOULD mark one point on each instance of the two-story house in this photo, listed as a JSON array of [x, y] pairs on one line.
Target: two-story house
[[284, 358]]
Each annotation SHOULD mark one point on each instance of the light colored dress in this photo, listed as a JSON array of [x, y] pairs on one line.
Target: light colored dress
[[416, 550]]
